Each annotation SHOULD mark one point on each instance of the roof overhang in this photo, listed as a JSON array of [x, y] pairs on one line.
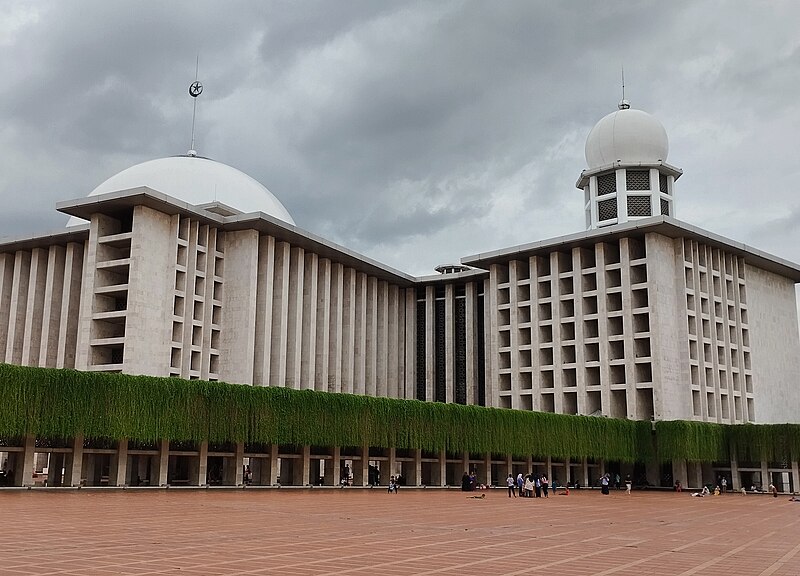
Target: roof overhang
[[265, 224], [663, 225], [662, 167]]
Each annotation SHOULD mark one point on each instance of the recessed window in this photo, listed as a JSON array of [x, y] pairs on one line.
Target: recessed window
[[639, 206], [606, 184], [607, 209]]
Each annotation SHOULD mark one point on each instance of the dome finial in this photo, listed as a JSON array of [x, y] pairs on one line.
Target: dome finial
[[623, 104], [195, 89]]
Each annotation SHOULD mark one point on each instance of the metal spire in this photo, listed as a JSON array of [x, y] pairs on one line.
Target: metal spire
[[195, 89], [623, 104]]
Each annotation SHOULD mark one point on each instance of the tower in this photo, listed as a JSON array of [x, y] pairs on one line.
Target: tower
[[627, 177]]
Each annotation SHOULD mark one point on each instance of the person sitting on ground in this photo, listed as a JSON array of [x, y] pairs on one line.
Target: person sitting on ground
[[704, 492], [794, 498], [744, 492], [716, 491]]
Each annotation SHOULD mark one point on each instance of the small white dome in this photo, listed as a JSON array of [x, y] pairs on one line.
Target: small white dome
[[628, 136], [196, 181]]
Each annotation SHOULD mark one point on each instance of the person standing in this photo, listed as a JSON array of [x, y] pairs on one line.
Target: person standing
[[724, 484], [529, 486], [520, 483], [545, 486], [511, 484], [628, 484], [604, 480]]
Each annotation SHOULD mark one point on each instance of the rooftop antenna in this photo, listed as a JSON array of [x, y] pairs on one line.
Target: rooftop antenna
[[195, 89], [623, 104]]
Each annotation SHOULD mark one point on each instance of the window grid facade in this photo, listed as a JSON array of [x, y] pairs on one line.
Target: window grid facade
[[719, 335]]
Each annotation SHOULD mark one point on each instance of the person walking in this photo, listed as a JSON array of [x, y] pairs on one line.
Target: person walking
[[628, 484], [545, 486], [511, 484]]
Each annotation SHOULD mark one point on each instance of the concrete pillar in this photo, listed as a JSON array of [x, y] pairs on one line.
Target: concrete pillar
[[442, 468], [549, 467], [238, 464], [333, 468], [393, 471], [795, 477], [24, 466], [465, 465], [680, 473], [160, 473], [74, 464], [417, 480], [274, 470], [585, 470], [118, 471], [201, 479], [736, 480], [509, 467], [765, 479], [305, 467], [363, 468], [567, 473], [488, 465]]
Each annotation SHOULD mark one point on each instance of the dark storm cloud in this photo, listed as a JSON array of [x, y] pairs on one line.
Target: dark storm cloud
[[415, 132]]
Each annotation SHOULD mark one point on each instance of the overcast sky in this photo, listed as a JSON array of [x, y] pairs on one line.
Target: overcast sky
[[412, 132]]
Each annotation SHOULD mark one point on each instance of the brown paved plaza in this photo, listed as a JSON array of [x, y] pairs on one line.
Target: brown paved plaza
[[355, 531]]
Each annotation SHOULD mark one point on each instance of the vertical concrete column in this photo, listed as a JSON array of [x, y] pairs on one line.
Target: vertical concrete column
[[795, 477], [509, 466], [265, 288], [487, 463], [74, 465], [602, 467], [310, 301], [363, 467], [765, 479], [529, 464], [430, 343], [567, 472], [393, 471], [162, 470], [417, 479], [323, 334], [360, 335], [348, 347], [280, 316], [392, 346], [736, 481], [549, 467], [24, 465], [409, 384], [442, 468], [238, 464], [585, 470], [335, 342], [119, 465], [294, 338], [371, 336], [449, 342], [202, 465], [274, 468], [382, 357], [679, 472], [305, 467], [333, 468], [465, 465]]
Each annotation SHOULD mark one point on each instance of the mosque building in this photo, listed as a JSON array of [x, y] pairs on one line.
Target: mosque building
[[187, 267]]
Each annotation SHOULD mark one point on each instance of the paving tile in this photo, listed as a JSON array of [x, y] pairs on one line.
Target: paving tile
[[358, 532]]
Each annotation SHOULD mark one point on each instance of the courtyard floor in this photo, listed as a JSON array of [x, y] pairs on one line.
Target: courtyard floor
[[355, 531]]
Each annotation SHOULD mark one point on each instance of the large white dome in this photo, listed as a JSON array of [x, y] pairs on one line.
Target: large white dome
[[628, 136], [196, 180]]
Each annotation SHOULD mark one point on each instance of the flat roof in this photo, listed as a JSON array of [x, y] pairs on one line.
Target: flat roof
[[663, 225], [263, 223]]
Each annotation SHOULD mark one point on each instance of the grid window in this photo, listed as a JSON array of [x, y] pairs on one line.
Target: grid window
[[664, 207], [637, 179], [606, 184], [639, 206], [607, 209], [662, 183]]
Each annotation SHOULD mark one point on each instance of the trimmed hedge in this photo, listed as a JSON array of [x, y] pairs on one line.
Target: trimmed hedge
[[57, 403]]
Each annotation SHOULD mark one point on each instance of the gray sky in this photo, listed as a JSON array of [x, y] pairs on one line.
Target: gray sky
[[413, 132]]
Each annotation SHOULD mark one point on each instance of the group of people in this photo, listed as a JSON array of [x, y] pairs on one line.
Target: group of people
[[528, 486], [606, 482], [469, 482]]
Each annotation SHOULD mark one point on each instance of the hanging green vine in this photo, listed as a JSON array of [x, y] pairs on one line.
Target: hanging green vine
[[63, 403]]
